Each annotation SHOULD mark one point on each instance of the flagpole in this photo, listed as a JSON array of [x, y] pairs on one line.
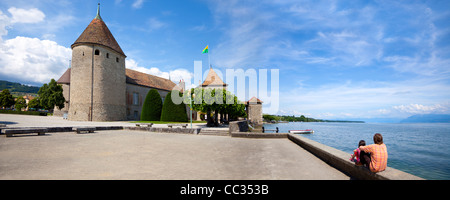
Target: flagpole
[[209, 61]]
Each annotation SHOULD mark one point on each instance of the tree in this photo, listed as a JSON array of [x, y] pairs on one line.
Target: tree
[[6, 99], [151, 110], [51, 95], [172, 112], [219, 101], [205, 101], [34, 104], [20, 103]]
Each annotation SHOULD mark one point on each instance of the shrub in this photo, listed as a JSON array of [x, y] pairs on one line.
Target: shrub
[[151, 110], [172, 112]]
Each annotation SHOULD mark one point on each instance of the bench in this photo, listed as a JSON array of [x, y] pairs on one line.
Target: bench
[[172, 125], [83, 129], [145, 124], [11, 132], [274, 130]]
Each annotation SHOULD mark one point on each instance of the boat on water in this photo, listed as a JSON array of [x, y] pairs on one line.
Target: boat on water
[[307, 131]]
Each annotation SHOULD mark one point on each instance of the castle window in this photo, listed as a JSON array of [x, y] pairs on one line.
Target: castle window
[[136, 114], [135, 98], [107, 55], [97, 52], [117, 59], [83, 53]]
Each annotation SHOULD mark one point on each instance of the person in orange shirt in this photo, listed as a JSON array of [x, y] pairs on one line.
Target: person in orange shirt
[[378, 154]]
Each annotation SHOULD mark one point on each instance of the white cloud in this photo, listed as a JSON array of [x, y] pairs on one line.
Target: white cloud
[[32, 21], [369, 99], [32, 60], [138, 4], [155, 24], [422, 109], [20, 15], [331, 37], [199, 28], [247, 35], [175, 75], [5, 22]]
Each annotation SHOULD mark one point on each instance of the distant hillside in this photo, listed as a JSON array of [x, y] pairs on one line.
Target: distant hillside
[[18, 87], [428, 118]]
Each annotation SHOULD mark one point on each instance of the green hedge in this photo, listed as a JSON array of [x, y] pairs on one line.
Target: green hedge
[[151, 110], [23, 112], [172, 112]]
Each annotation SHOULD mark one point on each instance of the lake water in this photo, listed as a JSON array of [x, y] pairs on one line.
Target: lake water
[[419, 149]]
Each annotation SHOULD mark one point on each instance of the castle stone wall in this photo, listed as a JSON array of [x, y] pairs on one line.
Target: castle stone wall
[[81, 83], [133, 111], [255, 113], [109, 86], [97, 90], [61, 112]]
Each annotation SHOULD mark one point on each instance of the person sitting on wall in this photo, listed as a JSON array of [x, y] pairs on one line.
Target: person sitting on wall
[[359, 156], [377, 161]]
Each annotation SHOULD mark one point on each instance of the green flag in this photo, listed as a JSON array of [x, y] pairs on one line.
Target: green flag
[[205, 50]]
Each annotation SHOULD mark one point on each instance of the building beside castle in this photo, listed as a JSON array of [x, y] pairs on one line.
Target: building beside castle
[[253, 106], [213, 81], [98, 87]]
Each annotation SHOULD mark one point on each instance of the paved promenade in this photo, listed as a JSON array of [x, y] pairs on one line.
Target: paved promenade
[[126, 154], [50, 121]]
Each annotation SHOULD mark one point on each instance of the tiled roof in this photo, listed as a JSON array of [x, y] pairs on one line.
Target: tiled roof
[[254, 100], [213, 79], [135, 78], [147, 80], [98, 33], [65, 78]]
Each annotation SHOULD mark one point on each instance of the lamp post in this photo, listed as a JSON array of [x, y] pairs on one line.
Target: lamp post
[[190, 102], [190, 109]]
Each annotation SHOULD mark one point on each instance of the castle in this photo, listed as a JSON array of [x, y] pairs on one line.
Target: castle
[[98, 87]]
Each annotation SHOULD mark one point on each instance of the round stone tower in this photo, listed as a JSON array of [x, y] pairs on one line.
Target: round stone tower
[[98, 82]]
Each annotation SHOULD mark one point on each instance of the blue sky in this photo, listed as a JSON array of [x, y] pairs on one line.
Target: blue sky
[[336, 59]]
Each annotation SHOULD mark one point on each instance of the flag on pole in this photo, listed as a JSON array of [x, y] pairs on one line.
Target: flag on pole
[[205, 50]]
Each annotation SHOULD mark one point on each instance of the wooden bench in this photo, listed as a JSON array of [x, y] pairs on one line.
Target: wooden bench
[[11, 132], [145, 124], [83, 129], [172, 125], [274, 130]]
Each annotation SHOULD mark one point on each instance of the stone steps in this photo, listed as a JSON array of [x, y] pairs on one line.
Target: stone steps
[[214, 131]]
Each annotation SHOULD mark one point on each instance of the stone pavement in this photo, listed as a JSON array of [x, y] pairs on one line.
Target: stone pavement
[[126, 154], [51, 121]]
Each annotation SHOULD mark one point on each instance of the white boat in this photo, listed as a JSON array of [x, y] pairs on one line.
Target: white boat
[[307, 131]]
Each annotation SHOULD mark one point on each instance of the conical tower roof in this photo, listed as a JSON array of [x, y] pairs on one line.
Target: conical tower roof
[[98, 33], [212, 79]]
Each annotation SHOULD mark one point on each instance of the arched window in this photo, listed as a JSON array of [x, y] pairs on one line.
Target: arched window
[[97, 52]]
